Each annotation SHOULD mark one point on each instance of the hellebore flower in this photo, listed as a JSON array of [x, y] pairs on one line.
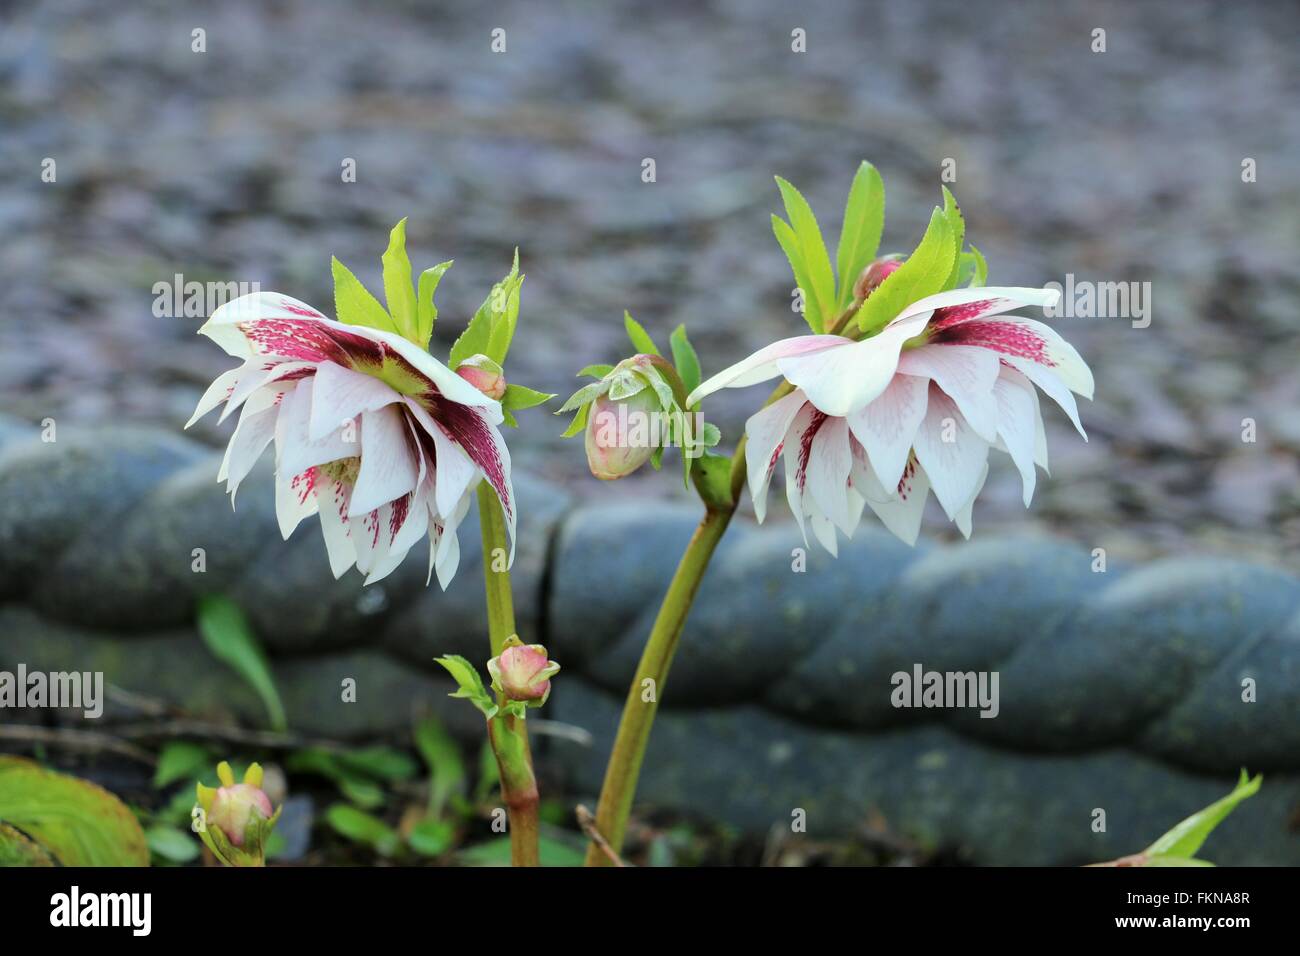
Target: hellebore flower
[[381, 439], [631, 414], [235, 819], [522, 673], [913, 408]]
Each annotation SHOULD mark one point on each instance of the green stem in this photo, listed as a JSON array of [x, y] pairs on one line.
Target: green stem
[[507, 735], [624, 768]]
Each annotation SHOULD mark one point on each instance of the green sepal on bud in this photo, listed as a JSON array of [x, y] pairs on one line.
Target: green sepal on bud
[[235, 821], [522, 674]]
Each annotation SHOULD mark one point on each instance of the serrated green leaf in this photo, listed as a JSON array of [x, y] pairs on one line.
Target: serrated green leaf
[[924, 273], [957, 225], [74, 821], [819, 293], [790, 246], [426, 311], [181, 760], [641, 340], [469, 683], [353, 303], [684, 357], [710, 434], [227, 634], [398, 290], [491, 329], [361, 827], [981, 268], [588, 393], [864, 220], [519, 396], [596, 371], [1186, 838], [505, 321]]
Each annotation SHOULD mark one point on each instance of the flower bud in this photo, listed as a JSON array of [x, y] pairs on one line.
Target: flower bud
[[873, 275], [619, 433], [484, 374], [522, 672], [235, 808]]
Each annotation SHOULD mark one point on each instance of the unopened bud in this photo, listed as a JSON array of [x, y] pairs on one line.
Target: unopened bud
[[235, 808], [618, 434], [484, 374], [522, 672], [873, 275]]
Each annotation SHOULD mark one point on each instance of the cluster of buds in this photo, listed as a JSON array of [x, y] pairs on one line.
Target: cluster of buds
[[235, 820]]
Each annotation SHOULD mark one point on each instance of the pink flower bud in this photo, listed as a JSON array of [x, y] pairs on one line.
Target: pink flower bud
[[522, 672], [618, 434], [235, 807], [484, 374], [872, 276]]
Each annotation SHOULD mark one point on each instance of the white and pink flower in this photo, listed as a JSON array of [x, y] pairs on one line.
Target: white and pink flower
[[913, 409], [381, 439]]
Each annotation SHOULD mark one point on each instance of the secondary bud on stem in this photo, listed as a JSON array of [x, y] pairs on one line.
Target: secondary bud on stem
[[616, 429], [484, 374], [522, 673], [235, 820], [873, 275]]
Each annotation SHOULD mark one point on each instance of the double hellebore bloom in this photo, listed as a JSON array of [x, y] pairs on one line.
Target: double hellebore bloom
[[914, 407], [373, 433]]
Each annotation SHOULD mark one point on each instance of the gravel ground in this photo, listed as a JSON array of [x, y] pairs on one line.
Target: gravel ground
[[1117, 166]]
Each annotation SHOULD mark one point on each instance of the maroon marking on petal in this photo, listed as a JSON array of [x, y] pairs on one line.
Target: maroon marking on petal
[[305, 484], [905, 480], [771, 465], [300, 310], [294, 339], [397, 515], [294, 375], [952, 314], [371, 524], [469, 429], [805, 446], [1004, 337]]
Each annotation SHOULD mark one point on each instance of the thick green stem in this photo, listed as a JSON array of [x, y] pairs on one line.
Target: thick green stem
[[508, 735]]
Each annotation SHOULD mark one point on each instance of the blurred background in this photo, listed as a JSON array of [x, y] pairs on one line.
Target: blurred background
[[1119, 166]]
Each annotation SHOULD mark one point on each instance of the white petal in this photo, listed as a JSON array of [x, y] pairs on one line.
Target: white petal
[[966, 374], [762, 365], [1044, 378], [795, 456], [295, 499], [842, 380], [1018, 422], [886, 426], [1023, 338], [764, 433], [901, 509], [294, 453], [963, 517], [216, 393], [455, 470], [829, 462], [964, 305], [255, 430], [340, 395], [953, 467], [333, 497], [224, 325], [388, 466]]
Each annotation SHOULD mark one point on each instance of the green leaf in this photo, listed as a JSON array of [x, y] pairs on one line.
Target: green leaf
[[353, 303], [596, 371], [426, 313], [641, 340], [585, 395], [447, 775], [924, 273], [790, 245], [75, 822], [227, 635], [181, 760], [579, 422], [952, 212], [18, 849], [864, 220], [684, 357], [382, 763], [361, 827], [818, 283], [432, 837], [518, 396], [489, 773], [1186, 838], [981, 268], [172, 844], [490, 330], [469, 682], [398, 291]]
